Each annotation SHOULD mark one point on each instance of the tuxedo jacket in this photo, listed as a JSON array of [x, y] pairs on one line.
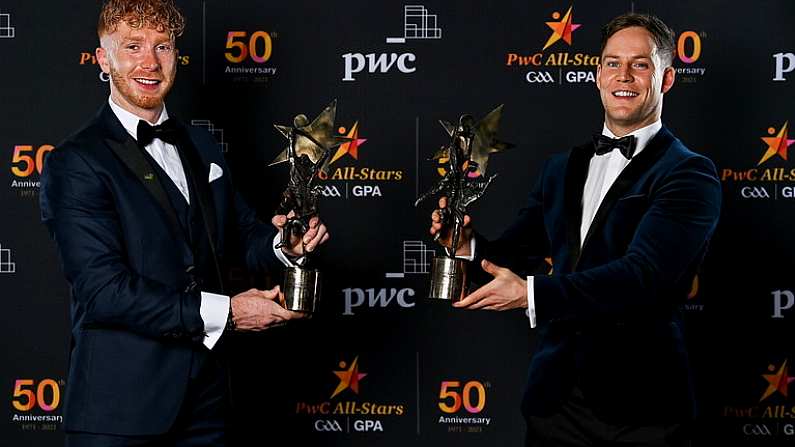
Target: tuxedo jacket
[[136, 257], [608, 312]]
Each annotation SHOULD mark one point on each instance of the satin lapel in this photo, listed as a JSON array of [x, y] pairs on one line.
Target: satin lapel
[[132, 157], [576, 172], [629, 176], [199, 175]]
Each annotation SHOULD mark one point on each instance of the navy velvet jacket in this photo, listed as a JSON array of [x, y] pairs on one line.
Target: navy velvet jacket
[[608, 312]]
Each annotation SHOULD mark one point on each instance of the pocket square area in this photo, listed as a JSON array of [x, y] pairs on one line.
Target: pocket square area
[[215, 172]]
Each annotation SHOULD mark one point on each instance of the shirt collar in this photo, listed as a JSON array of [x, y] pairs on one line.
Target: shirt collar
[[642, 135], [130, 120]]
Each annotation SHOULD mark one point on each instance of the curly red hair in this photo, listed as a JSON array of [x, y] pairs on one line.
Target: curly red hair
[[161, 15]]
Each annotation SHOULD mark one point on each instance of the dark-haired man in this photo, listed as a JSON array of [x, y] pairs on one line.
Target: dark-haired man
[[145, 218], [626, 219]]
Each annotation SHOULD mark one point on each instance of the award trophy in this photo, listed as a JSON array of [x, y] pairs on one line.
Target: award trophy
[[465, 159], [307, 152]]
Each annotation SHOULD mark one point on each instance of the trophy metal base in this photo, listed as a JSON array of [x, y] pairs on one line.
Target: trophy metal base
[[448, 279], [301, 289]]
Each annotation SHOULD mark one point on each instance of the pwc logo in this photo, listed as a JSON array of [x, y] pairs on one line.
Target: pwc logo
[[770, 178], [418, 24], [784, 63], [560, 65]]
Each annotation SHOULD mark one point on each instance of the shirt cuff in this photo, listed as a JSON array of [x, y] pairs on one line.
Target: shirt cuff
[[279, 253], [471, 256], [214, 310], [531, 303]]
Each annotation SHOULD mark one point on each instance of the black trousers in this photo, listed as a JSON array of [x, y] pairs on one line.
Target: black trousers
[[576, 425], [201, 420]]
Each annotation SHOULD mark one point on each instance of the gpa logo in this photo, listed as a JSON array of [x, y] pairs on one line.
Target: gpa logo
[[418, 24], [784, 63]]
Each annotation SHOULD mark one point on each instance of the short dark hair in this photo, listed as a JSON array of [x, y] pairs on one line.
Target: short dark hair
[[660, 32], [161, 15]]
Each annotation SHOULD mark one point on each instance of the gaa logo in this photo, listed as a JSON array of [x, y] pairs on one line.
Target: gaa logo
[[327, 425], [754, 192], [539, 77], [757, 430], [330, 191]]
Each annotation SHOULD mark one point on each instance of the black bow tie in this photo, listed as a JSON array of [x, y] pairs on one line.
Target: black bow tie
[[168, 132], [603, 144]]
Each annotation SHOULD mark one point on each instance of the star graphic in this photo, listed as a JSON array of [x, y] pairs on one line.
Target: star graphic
[[562, 29], [349, 378], [777, 382], [352, 146], [776, 145]]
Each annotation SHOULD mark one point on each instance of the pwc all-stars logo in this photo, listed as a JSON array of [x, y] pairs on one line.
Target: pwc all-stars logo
[[344, 411], [771, 177], [349, 176], [555, 62], [418, 24]]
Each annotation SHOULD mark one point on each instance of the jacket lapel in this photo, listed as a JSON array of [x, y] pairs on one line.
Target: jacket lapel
[[628, 177], [576, 173], [127, 150]]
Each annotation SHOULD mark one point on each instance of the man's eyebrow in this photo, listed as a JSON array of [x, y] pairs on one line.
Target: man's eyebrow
[[637, 56]]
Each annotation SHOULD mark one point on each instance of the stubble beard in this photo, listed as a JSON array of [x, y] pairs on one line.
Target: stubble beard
[[147, 102]]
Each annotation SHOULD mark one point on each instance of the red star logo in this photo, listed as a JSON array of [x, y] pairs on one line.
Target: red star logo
[[776, 145], [777, 382], [351, 147], [562, 29], [349, 378]]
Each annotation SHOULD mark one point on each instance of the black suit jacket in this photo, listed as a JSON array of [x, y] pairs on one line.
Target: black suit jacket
[[136, 324], [607, 313]]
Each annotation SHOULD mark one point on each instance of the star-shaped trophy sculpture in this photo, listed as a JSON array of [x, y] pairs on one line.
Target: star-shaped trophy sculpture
[[308, 148], [465, 160]]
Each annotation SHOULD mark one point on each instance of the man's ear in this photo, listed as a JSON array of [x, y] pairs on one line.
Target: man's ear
[[598, 73], [669, 76], [102, 59]]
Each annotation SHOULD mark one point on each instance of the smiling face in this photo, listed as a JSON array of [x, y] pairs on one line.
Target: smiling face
[[632, 79], [142, 66]]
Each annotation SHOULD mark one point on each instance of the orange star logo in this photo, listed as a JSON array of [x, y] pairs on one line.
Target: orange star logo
[[352, 146], [561, 29], [777, 382], [349, 378], [776, 145]]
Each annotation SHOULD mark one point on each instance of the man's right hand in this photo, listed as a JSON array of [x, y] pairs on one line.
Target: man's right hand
[[442, 231], [257, 310]]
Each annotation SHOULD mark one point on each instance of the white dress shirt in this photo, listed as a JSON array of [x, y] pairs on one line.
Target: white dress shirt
[[214, 308], [603, 170]]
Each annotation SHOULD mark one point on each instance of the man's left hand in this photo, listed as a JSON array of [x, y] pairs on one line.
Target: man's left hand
[[308, 242], [506, 291]]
